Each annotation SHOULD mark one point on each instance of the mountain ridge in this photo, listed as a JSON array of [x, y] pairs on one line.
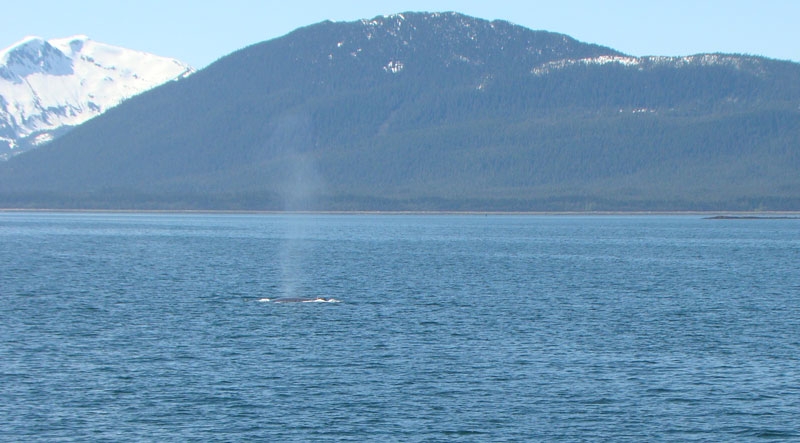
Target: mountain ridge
[[420, 111]]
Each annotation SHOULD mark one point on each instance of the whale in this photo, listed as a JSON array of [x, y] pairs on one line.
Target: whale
[[299, 300]]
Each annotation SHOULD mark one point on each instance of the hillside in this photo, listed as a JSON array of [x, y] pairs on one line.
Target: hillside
[[425, 111]]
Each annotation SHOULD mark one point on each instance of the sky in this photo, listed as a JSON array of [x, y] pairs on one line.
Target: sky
[[198, 32]]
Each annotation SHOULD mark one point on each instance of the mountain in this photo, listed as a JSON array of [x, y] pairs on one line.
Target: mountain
[[49, 86], [430, 111]]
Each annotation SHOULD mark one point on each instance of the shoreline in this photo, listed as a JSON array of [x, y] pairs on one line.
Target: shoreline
[[710, 215]]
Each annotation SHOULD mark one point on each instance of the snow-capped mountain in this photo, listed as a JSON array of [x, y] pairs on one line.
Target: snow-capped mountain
[[49, 86]]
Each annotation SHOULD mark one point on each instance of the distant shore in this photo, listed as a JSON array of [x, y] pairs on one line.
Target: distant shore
[[708, 215], [754, 217]]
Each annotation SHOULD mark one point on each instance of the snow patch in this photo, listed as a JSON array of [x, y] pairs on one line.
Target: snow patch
[[42, 138], [650, 62], [394, 67], [484, 83], [600, 60]]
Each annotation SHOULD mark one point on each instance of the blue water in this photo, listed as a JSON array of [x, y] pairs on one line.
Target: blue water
[[146, 327]]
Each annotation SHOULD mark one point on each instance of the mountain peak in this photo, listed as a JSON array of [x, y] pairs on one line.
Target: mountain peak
[[31, 55], [30, 42], [420, 43], [71, 45]]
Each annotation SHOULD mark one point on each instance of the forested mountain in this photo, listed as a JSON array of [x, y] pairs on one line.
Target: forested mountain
[[423, 111]]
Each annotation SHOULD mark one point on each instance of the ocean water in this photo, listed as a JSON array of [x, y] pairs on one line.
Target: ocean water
[[147, 327]]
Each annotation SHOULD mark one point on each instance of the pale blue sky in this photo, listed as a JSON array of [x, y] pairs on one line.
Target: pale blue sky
[[199, 32]]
